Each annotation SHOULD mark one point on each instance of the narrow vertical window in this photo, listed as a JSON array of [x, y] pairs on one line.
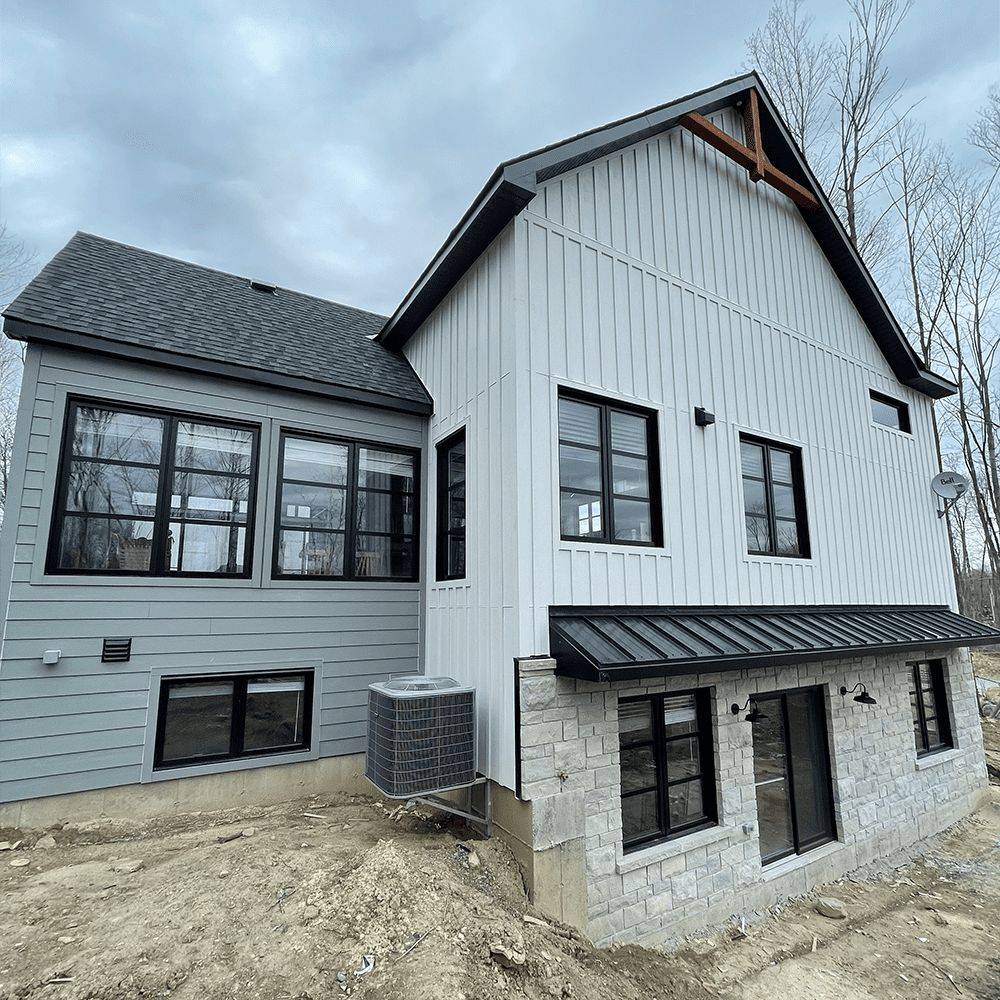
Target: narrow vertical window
[[929, 707], [451, 544], [608, 472], [773, 498]]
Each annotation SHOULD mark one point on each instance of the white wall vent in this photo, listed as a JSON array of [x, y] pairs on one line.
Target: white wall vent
[[421, 735]]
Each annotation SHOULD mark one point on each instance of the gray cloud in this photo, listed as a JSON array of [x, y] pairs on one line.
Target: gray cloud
[[330, 148]]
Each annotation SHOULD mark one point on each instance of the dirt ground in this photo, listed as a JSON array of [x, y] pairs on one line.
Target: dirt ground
[[284, 903]]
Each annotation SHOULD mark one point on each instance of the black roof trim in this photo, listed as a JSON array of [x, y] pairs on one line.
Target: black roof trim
[[514, 183], [605, 643], [18, 329]]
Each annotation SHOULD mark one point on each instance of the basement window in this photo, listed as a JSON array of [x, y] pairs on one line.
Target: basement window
[[667, 767], [929, 707], [890, 412], [227, 717]]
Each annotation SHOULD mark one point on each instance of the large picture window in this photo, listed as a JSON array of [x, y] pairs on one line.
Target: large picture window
[[153, 493], [773, 499], [667, 766], [929, 707], [345, 510], [451, 508], [227, 716], [608, 472]]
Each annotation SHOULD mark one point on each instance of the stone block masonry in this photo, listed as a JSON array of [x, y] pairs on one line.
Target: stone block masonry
[[884, 797]]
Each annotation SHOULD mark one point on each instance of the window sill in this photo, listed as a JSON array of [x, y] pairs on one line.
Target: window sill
[[672, 848], [938, 757], [797, 861], [636, 548], [794, 560]]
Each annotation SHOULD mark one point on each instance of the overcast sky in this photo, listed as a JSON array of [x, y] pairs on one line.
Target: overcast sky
[[330, 147]]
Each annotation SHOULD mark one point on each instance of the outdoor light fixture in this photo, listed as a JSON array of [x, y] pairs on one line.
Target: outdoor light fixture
[[754, 715], [862, 699]]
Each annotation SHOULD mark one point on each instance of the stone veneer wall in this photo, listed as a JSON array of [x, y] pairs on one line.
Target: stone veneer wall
[[884, 798]]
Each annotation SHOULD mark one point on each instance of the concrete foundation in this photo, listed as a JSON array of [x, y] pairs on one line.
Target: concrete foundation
[[259, 786], [885, 797]]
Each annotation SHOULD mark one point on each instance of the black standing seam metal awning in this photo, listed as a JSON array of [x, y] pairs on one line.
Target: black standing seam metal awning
[[619, 643]]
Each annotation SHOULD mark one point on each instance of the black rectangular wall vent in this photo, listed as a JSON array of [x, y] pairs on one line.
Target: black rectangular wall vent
[[117, 650]]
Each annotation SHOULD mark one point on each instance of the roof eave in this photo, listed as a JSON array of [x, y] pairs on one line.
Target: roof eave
[[19, 328]]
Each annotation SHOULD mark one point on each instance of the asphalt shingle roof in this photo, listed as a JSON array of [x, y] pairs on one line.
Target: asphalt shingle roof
[[100, 288]]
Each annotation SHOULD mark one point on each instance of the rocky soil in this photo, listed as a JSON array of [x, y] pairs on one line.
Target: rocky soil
[[348, 897]]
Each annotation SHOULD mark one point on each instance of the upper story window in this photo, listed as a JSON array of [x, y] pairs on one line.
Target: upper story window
[[608, 472], [145, 492], [667, 766], [345, 510], [929, 707], [773, 498], [890, 412], [451, 507]]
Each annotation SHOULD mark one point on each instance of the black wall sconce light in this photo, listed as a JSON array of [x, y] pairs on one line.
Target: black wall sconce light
[[862, 699], [754, 715], [702, 417]]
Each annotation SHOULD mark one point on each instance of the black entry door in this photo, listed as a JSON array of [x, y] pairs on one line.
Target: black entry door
[[792, 773]]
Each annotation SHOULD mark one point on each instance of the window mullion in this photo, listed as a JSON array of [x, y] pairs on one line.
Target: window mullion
[[772, 522], [161, 518], [607, 485], [350, 536], [238, 731]]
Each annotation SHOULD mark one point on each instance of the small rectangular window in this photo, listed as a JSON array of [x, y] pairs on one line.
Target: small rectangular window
[[153, 493], [345, 510], [667, 766], [608, 472], [773, 498], [226, 717], [929, 707], [890, 412], [451, 508]]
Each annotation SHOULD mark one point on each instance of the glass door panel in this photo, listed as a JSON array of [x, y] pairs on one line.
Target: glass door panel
[[811, 768], [792, 774], [770, 770]]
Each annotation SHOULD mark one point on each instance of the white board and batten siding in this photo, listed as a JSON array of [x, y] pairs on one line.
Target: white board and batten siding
[[82, 724], [464, 355], [662, 276]]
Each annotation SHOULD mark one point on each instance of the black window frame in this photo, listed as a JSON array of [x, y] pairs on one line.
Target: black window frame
[[158, 568], [798, 493], [706, 744], [942, 713], [445, 531], [817, 692], [237, 731], [902, 409], [607, 495], [354, 445]]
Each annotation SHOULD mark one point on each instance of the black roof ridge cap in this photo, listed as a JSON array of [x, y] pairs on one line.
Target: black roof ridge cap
[[212, 270], [57, 335]]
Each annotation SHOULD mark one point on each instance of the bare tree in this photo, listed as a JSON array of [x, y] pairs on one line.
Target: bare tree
[[985, 133], [866, 119], [15, 263], [795, 67]]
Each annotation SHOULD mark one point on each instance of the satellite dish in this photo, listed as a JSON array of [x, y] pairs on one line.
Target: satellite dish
[[949, 485]]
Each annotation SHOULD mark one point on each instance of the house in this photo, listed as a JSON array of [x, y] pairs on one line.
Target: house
[[643, 456]]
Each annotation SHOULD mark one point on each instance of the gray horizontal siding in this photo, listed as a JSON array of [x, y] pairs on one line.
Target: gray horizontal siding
[[83, 724]]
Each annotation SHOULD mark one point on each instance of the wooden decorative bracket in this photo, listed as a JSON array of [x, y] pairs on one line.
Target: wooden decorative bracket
[[750, 157]]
